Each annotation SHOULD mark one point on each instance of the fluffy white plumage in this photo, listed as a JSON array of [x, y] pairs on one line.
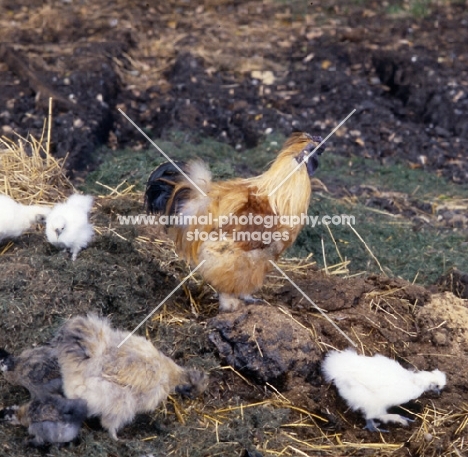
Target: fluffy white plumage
[[16, 218], [374, 384], [67, 225]]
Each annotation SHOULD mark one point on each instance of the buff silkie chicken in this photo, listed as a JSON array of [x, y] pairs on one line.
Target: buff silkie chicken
[[51, 419], [241, 224], [372, 385], [67, 225], [35, 369], [16, 218], [118, 382]]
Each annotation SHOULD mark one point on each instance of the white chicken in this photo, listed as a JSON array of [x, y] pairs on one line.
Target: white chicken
[[67, 225], [117, 382], [374, 384], [16, 218]]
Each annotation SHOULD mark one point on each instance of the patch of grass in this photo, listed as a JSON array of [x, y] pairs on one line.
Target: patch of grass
[[396, 177], [402, 248], [134, 167], [424, 254], [416, 8], [420, 8], [395, 10], [298, 8]]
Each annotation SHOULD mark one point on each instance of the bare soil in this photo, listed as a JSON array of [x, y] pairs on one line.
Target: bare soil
[[200, 68]]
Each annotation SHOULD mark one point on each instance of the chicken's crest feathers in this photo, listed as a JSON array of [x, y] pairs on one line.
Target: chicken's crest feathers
[[83, 202], [56, 225]]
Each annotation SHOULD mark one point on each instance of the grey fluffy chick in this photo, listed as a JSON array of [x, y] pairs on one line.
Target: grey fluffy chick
[[118, 382], [372, 385], [36, 369], [50, 420]]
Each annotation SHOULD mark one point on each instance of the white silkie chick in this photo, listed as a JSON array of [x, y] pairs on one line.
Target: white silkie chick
[[67, 225], [16, 218], [374, 384]]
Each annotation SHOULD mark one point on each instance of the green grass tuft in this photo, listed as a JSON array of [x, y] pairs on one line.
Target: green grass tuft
[[402, 247]]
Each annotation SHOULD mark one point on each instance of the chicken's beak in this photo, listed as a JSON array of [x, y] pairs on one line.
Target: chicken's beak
[[58, 232], [309, 156]]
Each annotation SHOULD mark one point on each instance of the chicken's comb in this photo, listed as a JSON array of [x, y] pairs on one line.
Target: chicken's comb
[[316, 139]]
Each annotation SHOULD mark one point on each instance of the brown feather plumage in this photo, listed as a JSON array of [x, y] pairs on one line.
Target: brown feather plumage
[[237, 267]]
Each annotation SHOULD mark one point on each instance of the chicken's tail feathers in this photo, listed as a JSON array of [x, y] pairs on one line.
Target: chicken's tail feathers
[[84, 202], [167, 189], [325, 367], [194, 383], [333, 363], [159, 193]]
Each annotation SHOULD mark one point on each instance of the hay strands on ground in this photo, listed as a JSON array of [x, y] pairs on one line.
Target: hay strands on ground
[[430, 434], [29, 173], [115, 192]]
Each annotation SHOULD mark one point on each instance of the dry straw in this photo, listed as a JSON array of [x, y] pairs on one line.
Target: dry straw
[[29, 173]]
